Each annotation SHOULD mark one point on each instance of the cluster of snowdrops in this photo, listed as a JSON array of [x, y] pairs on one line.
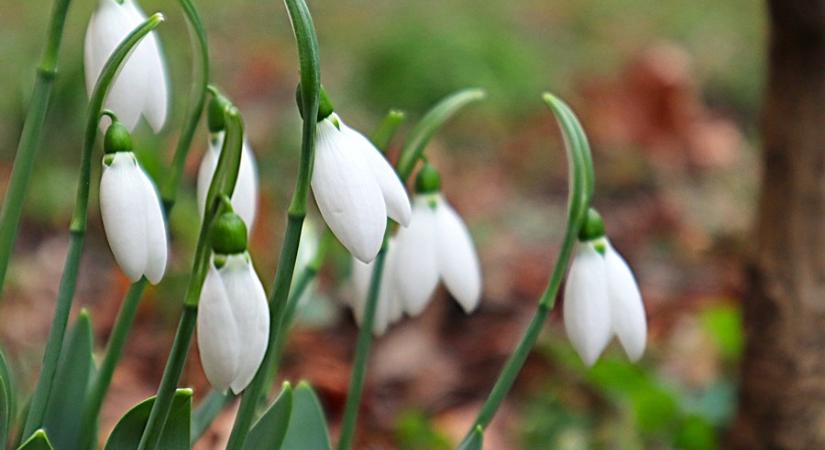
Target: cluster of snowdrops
[[402, 246]]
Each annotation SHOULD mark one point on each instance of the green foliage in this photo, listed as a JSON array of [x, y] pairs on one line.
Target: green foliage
[[723, 323], [269, 432], [414, 431], [475, 442], [38, 441], [7, 400], [175, 436], [307, 426], [72, 381]]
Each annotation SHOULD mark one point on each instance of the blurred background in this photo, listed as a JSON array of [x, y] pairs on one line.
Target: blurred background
[[669, 94]]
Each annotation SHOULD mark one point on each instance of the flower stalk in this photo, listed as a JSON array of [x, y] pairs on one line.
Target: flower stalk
[[68, 281], [411, 153], [581, 192], [131, 300], [30, 137], [310, 89], [222, 186]]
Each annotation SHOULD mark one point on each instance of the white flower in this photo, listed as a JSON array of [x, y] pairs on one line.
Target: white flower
[[233, 324], [141, 87], [245, 196], [388, 309], [602, 299], [436, 245], [133, 218], [355, 188]]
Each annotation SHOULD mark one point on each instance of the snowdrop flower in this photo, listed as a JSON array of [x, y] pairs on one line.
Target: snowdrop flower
[[601, 298], [355, 187], [389, 309], [436, 246], [131, 210], [245, 196], [233, 316], [141, 88]]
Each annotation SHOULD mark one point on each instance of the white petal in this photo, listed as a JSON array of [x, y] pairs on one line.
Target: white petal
[[388, 309], [586, 305], [245, 197], [395, 196], [110, 24], [218, 341], [347, 194], [249, 307], [416, 266], [627, 309], [156, 245], [123, 210], [156, 100], [457, 259], [207, 170], [361, 274]]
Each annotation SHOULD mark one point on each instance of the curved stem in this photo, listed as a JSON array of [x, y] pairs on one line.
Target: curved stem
[[309, 62], [30, 137], [200, 80], [128, 309], [68, 281], [410, 154], [223, 184], [581, 193]]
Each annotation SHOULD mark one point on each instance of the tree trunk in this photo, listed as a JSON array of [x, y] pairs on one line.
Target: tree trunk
[[782, 398]]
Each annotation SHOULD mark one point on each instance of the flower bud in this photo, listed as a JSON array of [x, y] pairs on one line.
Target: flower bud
[[228, 235], [117, 138], [325, 107], [428, 180]]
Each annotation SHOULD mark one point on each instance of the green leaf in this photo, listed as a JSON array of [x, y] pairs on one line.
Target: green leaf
[[475, 441], [307, 426], [269, 432], [5, 413], [38, 441], [8, 409], [128, 431], [72, 383], [723, 323]]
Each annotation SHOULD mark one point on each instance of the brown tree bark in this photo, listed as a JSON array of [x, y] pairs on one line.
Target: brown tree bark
[[782, 398]]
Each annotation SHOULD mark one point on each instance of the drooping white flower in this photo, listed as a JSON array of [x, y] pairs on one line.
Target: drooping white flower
[[436, 246], [141, 88], [133, 218], [388, 309], [601, 300], [233, 323], [245, 196], [355, 188]]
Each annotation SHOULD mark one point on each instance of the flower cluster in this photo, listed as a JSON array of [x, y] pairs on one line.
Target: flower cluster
[[435, 246]]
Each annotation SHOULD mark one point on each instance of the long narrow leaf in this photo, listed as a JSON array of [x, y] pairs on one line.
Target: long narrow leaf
[[307, 425], [175, 436], [38, 441], [269, 432], [72, 383], [473, 442]]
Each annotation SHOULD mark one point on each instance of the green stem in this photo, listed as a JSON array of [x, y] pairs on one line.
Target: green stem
[[126, 315], [30, 137], [200, 80], [410, 154], [362, 351], [222, 186], [309, 62], [68, 281], [581, 193]]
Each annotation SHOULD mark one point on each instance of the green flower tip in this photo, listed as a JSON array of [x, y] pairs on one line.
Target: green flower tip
[[216, 115], [228, 236], [428, 180], [117, 139], [593, 226], [325, 107]]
